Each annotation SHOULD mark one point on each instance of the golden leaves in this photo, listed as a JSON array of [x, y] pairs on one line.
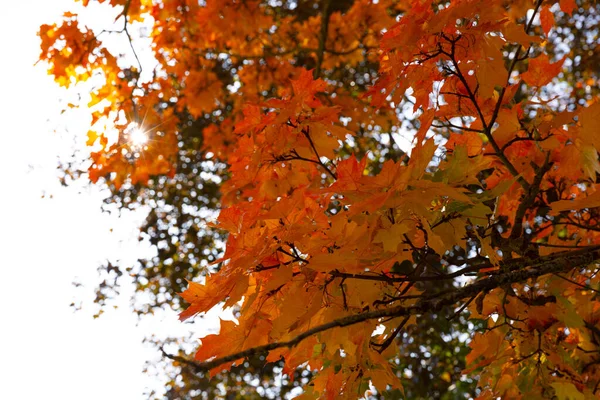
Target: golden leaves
[[567, 391], [590, 131], [68, 49], [391, 237]]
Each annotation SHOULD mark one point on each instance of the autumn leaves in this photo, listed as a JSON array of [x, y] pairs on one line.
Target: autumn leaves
[[336, 244]]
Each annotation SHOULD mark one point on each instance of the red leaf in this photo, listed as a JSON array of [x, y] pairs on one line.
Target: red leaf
[[567, 6], [547, 19]]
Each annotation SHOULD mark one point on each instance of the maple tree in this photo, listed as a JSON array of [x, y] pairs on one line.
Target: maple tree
[[344, 252]]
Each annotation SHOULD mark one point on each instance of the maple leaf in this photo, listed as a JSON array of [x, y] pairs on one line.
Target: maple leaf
[[568, 6], [540, 71], [232, 338], [567, 391], [252, 119], [509, 126], [515, 33], [590, 201], [546, 19], [203, 297], [470, 140], [349, 173], [588, 117], [306, 87], [391, 237], [487, 346]]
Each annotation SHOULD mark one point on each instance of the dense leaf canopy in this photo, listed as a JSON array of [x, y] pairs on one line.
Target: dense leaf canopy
[[396, 198]]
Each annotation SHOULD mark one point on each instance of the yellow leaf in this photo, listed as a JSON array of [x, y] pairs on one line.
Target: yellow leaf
[[591, 201], [446, 377], [508, 126], [280, 276], [567, 391], [590, 130], [391, 237], [92, 136]]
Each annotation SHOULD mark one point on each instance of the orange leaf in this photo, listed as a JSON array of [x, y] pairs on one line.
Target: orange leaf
[[541, 71], [546, 19], [471, 140], [305, 88], [567, 6], [516, 33], [591, 201], [204, 297], [234, 338]]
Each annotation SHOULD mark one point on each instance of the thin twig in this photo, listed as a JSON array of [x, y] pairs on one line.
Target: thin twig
[[462, 308], [385, 344], [586, 287], [306, 134]]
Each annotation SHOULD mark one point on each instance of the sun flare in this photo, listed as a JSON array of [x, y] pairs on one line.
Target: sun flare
[[137, 136]]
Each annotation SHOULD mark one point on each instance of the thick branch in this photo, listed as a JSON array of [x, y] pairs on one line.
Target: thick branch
[[564, 263], [529, 198], [389, 279], [325, 14]]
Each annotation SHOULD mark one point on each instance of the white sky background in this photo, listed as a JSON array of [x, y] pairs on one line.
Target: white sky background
[[47, 350]]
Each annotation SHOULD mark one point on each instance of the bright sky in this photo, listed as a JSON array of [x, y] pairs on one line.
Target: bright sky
[[47, 350]]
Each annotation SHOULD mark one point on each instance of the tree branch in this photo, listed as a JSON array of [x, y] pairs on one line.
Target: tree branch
[[389, 279], [385, 344], [513, 65], [564, 263], [530, 196], [306, 134], [325, 14], [182, 360], [487, 127]]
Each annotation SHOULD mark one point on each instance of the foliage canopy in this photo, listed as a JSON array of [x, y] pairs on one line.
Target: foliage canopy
[[347, 256]]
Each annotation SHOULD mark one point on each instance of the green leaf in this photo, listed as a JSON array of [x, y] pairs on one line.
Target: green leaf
[[569, 314]]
